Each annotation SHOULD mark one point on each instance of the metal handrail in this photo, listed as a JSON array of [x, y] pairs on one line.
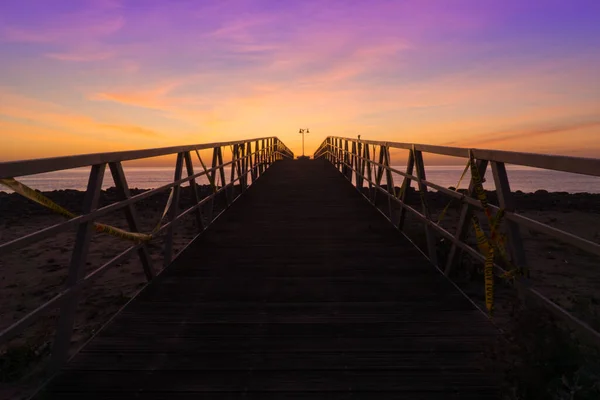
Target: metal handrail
[[249, 157], [354, 160]]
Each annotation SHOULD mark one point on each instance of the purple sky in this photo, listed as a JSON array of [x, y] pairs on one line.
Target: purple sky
[[83, 76]]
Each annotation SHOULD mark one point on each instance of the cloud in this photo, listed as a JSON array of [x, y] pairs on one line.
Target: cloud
[[153, 100], [528, 134], [81, 57], [132, 129], [45, 114], [65, 29]]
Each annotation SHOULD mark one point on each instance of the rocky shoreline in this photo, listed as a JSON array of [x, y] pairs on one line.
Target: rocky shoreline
[[14, 204]]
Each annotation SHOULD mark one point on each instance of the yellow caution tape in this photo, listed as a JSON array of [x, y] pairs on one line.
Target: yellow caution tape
[[39, 198], [164, 214], [488, 273], [494, 221], [495, 243]]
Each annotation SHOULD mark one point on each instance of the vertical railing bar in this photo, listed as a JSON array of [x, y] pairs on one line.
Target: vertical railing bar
[[210, 206], [347, 161], [506, 202], [338, 154], [334, 153], [118, 175], [239, 155], [252, 160], [234, 158], [340, 157], [257, 158], [406, 185], [367, 162], [189, 166], [173, 212], [244, 163], [222, 173], [361, 165], [429, 232], [353, 173], [390, 183], [379, 172], [263, 150], [464, 219], [68, 308]]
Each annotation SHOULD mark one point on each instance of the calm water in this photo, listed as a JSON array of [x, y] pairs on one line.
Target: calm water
[[521, 178]]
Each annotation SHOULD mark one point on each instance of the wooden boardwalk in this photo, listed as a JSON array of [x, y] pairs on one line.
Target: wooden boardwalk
[[300, 290]]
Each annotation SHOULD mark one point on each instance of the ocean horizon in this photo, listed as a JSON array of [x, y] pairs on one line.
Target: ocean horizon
[[525, 179]]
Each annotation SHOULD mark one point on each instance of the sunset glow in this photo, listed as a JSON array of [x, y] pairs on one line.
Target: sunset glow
[[103, 75]]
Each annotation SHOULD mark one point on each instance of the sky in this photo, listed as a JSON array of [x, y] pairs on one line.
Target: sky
[[84, 76]]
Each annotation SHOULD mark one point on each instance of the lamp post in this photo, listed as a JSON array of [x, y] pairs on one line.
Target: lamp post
[[302, 132]]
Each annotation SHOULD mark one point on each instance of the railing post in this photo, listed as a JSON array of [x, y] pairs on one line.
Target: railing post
[[406, 184], [173, 212], [340, 156], [257, 158], [189, 166], [367, 163], [123, 192], [465, 218], [234, 164], [210, 205], [244, 166], [360, 166], [335, 154], [263, 156], [251, 160], [222, 174], [353, 171], [390, 184], [347, 169], [429, 232], [379, 173], [331, 152], [505, 200], [68, 307]]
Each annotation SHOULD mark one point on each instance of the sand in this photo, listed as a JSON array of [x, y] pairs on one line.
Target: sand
[[562, 272], [33, 275]]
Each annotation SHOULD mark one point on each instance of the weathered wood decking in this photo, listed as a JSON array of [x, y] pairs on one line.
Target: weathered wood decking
[[300, 288]]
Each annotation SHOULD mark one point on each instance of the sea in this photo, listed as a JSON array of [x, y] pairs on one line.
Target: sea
[[525, 179]]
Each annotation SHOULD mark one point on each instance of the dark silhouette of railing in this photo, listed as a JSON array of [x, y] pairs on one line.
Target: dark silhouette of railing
[[355, 159], [249, 157]]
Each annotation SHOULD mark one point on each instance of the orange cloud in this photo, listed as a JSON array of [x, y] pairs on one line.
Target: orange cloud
[[525, 134], [133, 129]]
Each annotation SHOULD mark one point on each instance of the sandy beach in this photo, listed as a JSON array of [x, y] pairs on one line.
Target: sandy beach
[[33, 275], [562, 272]]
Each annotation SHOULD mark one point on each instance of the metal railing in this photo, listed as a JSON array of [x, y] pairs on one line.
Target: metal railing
[[249, 157], [355, 159]]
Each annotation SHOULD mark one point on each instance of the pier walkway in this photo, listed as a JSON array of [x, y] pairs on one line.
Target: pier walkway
[[301, 289]]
